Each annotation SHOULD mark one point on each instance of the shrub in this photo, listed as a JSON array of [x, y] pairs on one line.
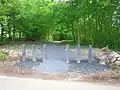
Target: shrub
[[3, 56]]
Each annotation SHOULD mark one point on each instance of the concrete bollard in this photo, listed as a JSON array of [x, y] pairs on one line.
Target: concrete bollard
[[44, 52], [33, 52], [23, 52], [78, 53], [90, 54], [67, 53]]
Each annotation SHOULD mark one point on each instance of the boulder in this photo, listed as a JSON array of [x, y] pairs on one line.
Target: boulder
[[117, 62]]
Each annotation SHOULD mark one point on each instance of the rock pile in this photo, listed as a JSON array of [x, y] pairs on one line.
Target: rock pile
[[109, 57], [11, 54]]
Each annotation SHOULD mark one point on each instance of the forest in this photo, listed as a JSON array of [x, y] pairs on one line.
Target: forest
[[82, 21]]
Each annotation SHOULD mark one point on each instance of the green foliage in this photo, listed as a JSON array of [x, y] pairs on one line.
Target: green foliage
[[84, 21]]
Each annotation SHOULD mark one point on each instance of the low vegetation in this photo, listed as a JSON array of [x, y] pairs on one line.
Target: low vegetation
[[3, 56]]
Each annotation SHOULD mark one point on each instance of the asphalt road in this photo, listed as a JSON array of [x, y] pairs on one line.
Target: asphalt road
[[11, 83]]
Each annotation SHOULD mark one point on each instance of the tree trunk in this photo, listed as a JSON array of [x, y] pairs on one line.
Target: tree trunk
[[2, 32]]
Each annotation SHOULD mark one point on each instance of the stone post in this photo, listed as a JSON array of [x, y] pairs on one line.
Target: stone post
[[90, 54], [23, 52], [78, 53], [33, 52], [44, 52], [67, 53]]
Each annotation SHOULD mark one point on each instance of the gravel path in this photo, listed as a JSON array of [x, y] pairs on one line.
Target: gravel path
[[55, 63]]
